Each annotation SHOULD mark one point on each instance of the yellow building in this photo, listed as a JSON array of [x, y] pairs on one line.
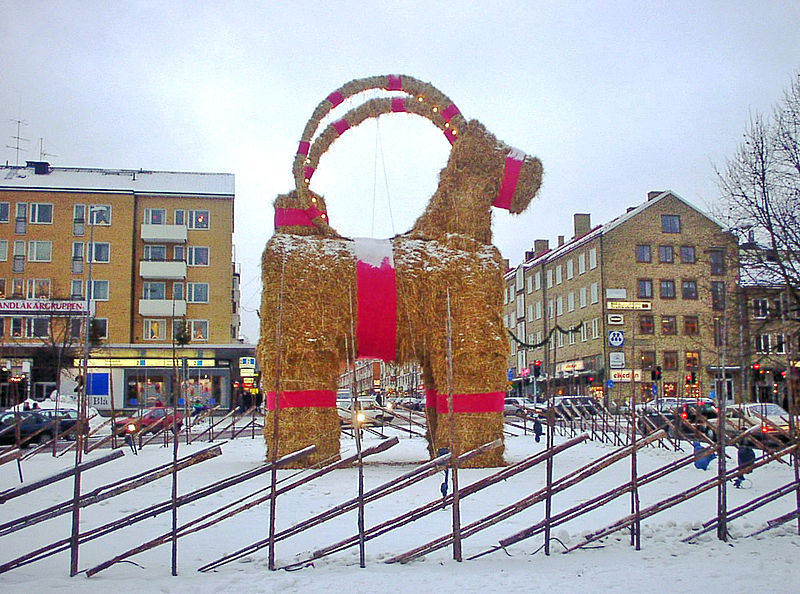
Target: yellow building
[[157, 247]]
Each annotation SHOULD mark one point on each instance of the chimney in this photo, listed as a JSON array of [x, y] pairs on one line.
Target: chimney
[[581, 223], [507, 264], [541, 245], [560, 240], [654, 194], [39, 167], [630, 208]]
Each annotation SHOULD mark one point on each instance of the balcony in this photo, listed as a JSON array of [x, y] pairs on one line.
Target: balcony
[[163, 233], [162, 269], [161, 308]]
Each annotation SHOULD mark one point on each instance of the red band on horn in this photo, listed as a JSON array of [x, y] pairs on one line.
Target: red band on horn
[[303, 399], [335, 98], [398, 104], [341, 126], [510, 177], [449, 112], [394, 83], [485, 402], [303, 148], [450, 135], [308, 172]]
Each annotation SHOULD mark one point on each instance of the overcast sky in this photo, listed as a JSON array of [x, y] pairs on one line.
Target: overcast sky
[[616, 98]]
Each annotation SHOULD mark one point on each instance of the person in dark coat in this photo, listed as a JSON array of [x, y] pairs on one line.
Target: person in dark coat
[[537, 430], [745, 456]]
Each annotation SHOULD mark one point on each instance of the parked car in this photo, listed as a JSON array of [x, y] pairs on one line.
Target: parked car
[[368, 411], [30, 424], [679, 417], [515, 405], [767, 422], [151, 420]]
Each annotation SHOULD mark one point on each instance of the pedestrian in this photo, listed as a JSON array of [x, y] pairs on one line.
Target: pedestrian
[[745, 456], [702, 462], [26, 405], [537, 430]]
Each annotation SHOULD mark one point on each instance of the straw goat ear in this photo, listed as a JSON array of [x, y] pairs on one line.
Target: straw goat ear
[[528, 184]]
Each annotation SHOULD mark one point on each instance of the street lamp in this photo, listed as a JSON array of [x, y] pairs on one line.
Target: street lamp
[[83, 405]]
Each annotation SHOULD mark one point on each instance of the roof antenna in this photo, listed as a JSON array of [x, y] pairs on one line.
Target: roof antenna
[[17, 139], [42, 154]]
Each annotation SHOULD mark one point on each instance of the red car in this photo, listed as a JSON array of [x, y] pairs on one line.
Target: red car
[[149, 421]]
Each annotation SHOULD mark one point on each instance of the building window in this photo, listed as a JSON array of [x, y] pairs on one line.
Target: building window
[[550, 279], [571, 301], [717, 295], [177, 291], [519, 278], [99, 252], [691, 325], [670, 223], [593, 258], [717, 258], [530, 313], [689, 289], [99, 328], [582, 296], [646, 324], [762, 343], [687, 254], [594, 293], [529, 285], [670, 360], [644, 288], [77, 257], [584, 328], [560, 339], [520, 306], [155, 216], [198, 219], [2, 288], [643, 253], [198, 329], [16, 288], [100, 214], [570, 269], [558, 274], [155, 253], [648, 359], [537, 280], [559, 305], [99, 290], [21, 220], [4, 210], [581, 263], [780, 344], [154, 290], [666, 255], [39, 288], [551, 309], [17, 327], [692, 359], [595, 327], [760, 308], [41, 214], [179, 217], [40, 251], [667, 289], [154, 329], [76, 288], [198, 256], [79, 220], [38, 327], [538, 310], [669, 325], [3, 250], [572, 338], [75, 328]]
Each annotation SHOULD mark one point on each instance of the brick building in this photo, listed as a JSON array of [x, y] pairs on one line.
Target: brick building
[[157, 247], [653, 289]]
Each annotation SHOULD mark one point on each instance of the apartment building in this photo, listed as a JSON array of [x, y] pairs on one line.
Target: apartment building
[[149, 251], [651, 292]]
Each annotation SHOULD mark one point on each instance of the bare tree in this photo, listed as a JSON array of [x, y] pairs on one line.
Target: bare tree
[[760, 188]]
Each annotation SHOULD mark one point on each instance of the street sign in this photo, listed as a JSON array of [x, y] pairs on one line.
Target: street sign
[[616, 360], [616, 338], [634, 305], [609, 384], [616, 319], [654, 389]]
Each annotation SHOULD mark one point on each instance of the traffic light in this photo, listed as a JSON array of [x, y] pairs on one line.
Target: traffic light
[[756, 372], [693, 375], [688, 379], [781, 376], [653, 375], [658, 372], [590, 379], [537, 368]]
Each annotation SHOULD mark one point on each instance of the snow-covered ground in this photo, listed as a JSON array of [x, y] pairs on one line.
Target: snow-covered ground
[[664, 564]]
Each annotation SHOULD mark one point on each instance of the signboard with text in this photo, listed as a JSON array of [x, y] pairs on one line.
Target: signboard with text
[[41, 307], [625, 375], [630, 305]]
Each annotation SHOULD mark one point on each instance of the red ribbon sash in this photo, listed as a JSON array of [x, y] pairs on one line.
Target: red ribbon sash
[[303, 399], [485, 402], [511, 171], [376, 329]]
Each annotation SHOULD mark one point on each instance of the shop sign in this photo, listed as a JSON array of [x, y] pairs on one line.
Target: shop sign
[[625, 375], [104, 362], [634, 305], [570, 366], [16, 307]]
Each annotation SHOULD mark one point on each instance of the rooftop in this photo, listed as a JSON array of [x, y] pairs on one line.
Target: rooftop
[[39, 175]]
